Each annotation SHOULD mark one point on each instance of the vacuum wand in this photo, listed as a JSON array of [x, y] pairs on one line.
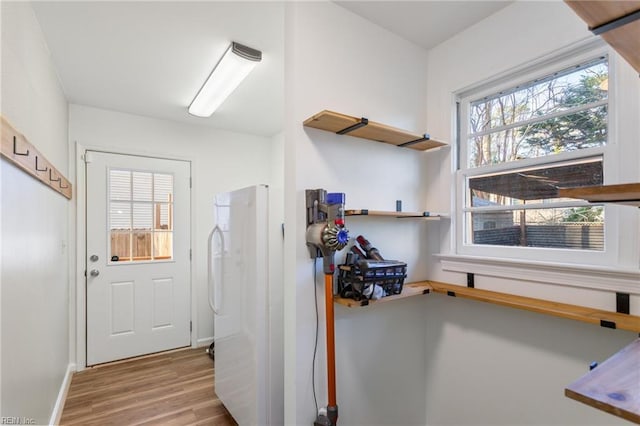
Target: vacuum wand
[[326, 234], [332, 405]]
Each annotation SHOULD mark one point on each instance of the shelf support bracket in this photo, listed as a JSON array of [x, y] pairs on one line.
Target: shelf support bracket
[[363, 122], [616, 23], [471, 280], [608, 324], [425, 137], [622, 303]]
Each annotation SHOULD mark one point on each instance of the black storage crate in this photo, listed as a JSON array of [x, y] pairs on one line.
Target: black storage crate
[[354, 280]]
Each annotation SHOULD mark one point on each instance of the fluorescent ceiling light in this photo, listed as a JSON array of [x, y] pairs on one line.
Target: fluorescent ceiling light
[[236, 63]]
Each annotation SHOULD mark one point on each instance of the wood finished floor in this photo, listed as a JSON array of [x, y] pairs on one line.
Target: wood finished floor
[[173, 388]]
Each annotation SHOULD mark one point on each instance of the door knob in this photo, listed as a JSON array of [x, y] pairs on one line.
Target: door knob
[[94, 258], [94, 272]]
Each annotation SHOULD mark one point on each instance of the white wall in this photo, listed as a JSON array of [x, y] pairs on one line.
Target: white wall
[[487, 364], [338, 61], [276, 275], [221, 161], [34, 229]]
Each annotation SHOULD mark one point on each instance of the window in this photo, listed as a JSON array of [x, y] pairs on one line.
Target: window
[[140, 216], [520, 208], [519, 142]]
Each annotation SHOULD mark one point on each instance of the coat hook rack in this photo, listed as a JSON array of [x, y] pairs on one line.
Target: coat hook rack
[[39, 169], [15, 149], [52, 179]]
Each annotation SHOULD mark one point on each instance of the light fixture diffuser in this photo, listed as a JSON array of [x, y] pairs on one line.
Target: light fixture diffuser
[[236, 63]]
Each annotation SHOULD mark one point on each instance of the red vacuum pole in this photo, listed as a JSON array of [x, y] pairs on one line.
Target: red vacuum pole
[[331, 349]]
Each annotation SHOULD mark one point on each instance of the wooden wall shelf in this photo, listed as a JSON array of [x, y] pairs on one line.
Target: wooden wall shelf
[[557, 309], [408, 290], [363, 128], [628, 193], [563, 310], [617, 22], [613, 386], [19, 151], [399, 215]]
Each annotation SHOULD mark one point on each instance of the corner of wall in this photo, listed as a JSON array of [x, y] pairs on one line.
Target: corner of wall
[[56, 413]]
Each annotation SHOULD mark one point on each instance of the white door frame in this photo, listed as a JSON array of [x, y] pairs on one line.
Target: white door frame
[[80, 310]]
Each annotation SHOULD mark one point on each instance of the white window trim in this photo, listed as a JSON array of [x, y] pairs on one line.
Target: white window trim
[[580, 276], [531, 255]]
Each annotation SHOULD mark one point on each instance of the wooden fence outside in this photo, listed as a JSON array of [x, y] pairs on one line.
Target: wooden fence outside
[[143, 245]]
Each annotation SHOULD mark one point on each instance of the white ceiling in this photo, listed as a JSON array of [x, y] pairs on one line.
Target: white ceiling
[[150, 58], [426, 23]]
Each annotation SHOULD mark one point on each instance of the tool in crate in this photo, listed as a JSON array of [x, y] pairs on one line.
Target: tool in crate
[[361, 278]]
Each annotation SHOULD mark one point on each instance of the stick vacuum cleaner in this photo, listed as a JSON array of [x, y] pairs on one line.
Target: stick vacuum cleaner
[[326, 234]]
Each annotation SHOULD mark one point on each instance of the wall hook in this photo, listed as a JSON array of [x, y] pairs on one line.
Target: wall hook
[[15, 149], [61, 185], [52, 179], [38, 169]]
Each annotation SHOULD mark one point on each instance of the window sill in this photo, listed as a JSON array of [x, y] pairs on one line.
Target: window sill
[[582, 276]]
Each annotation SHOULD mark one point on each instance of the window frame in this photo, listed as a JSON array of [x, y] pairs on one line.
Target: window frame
[[608, 152], [132, 203]]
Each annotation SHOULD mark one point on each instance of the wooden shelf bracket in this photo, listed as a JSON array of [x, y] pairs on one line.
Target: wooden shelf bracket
[[424, 138], [363, 122], [615, 23]]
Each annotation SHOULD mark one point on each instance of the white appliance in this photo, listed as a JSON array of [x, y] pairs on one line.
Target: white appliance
[[247, 351]]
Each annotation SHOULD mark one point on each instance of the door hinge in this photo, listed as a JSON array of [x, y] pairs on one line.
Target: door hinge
[[190, 254], [190, 325], [190, 182]]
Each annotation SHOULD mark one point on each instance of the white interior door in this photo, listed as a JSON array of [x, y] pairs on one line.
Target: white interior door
[[138, 255]]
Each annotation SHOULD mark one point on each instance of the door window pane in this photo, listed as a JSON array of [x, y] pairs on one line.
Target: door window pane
[[162, 187], [120, 216], [140, 210], [163, 245], [120, 185], [164, 216], [142, 186], [142, 216], [142, 245], [120, 246]]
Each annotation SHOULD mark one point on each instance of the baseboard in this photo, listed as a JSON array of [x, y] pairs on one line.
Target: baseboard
[[204, 342], [56, 414]]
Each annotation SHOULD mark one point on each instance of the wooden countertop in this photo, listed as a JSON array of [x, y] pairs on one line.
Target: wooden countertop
[[613, 386]]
